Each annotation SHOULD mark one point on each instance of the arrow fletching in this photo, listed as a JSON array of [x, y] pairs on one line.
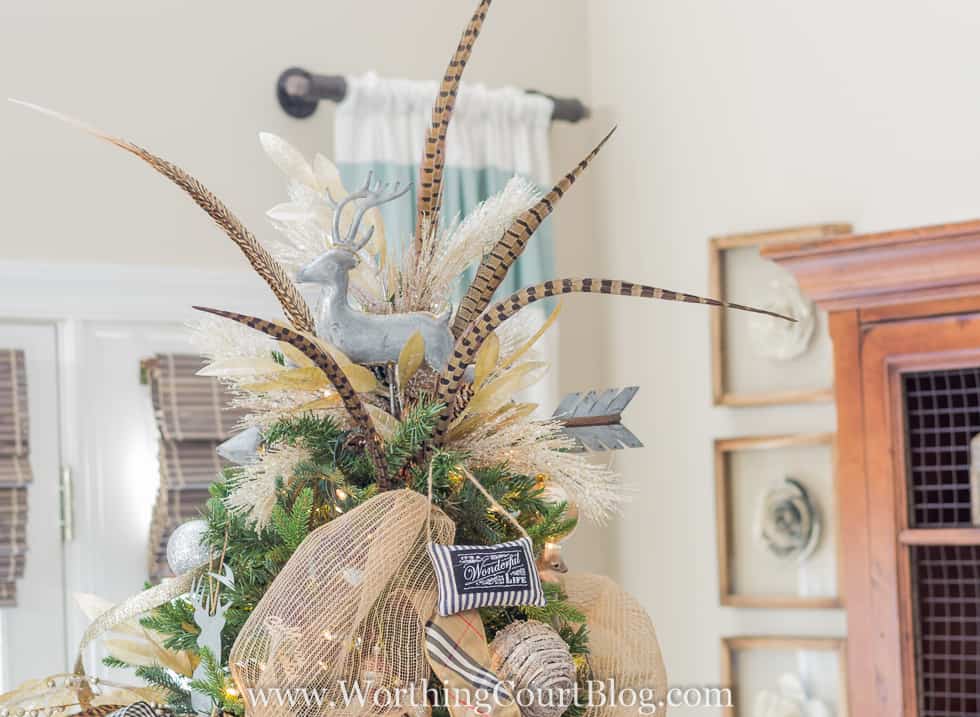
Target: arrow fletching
[[594, 419]]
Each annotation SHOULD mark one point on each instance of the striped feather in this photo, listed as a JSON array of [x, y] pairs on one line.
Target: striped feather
[[434, 150], [326, 363], [511, 245], [293, 304], [470, 342]]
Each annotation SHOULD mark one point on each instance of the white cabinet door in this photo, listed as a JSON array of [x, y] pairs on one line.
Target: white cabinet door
[[32, 635], [85, 329], [89, 413], [115, 455]]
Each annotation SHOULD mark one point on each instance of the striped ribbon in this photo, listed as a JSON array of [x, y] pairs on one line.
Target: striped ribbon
[[139, 709], [446, 652]]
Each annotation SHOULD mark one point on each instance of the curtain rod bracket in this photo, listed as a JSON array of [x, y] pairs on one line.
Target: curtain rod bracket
[[300, 91]]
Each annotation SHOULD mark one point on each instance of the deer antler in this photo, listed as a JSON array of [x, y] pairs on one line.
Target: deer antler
[[196, 595], [375, 195], [261, 260], [472, 339], [495, 265], [326, 363], [433, 153]]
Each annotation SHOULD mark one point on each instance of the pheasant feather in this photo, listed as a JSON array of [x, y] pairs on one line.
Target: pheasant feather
[[511, 245], [470, 342], [434, 151], [326, 363], [261, 260]]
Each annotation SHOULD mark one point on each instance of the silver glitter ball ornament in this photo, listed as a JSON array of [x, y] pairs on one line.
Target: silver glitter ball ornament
[[186, 549]]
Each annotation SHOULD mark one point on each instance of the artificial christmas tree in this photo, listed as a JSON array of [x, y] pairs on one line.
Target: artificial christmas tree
[[379, 431]]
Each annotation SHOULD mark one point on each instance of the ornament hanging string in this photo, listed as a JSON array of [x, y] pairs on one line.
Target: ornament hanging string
[[486, 494], [214, 586]]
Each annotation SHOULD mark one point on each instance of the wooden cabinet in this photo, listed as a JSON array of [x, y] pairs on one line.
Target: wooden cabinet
[[905, 322]]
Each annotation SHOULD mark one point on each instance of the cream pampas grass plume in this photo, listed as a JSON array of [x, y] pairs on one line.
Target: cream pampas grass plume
[[254, 493]]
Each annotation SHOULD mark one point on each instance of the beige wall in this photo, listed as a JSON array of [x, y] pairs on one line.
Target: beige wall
[[195, 82], [736, 117]]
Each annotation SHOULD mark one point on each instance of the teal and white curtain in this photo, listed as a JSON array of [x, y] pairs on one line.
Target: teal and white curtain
[[494, 134]]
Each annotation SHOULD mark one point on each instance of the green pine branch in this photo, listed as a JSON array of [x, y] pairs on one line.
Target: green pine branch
[[577, 638], [414, 430], [293, 526], [216, 685], [552, 521], [556, 611], [115, 662], [178, 698], [176, 621]]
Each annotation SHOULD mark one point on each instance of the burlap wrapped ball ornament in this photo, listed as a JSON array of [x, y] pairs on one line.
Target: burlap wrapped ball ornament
[[536, 660], [350, 606]]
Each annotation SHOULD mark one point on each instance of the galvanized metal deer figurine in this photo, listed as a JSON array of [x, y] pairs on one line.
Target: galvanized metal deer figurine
[[367, 338]]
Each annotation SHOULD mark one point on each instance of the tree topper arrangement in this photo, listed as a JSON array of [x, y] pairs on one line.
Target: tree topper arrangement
[[382, 428]]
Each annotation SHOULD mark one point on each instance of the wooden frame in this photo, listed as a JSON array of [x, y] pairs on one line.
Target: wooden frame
[[717, 247], [725, 522], [731, 645], [898, 301]]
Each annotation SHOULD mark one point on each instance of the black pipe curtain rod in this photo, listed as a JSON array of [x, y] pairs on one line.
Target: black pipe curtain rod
[[300, 91]]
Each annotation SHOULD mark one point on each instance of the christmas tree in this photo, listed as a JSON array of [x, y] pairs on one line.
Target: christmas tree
[[390, 486], [329, 477]]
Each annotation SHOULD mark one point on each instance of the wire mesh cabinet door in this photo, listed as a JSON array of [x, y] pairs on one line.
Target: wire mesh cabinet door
[[904, 317], [921, 383]]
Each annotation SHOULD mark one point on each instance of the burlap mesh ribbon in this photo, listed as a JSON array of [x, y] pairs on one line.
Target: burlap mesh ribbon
[[350, 606], [622, 641]]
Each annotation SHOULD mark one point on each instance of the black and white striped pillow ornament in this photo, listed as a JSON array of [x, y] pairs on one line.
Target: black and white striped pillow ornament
[[473, 576]]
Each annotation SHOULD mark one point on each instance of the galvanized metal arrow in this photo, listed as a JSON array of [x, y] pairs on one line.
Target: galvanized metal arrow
[[594, 419]]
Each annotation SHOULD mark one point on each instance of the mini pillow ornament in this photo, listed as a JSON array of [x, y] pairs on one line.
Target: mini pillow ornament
[[473, 576]]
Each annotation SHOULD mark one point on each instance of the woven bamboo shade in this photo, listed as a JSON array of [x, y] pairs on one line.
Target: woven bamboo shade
[[15, 472], [193, 418]]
